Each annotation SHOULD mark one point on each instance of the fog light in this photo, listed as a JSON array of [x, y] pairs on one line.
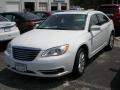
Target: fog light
[[55, 71]]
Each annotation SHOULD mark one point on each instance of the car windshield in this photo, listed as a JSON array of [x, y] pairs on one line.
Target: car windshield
[[29, 16], [64, 22], [2, 19]]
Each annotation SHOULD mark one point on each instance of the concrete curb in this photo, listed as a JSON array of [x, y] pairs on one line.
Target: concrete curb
[[117, 42], [117, 38]]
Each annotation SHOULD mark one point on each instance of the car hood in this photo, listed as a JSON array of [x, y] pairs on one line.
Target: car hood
[[6, 24], [45, 39]]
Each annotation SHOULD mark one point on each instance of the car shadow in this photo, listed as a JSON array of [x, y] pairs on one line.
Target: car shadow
[[3, 45], [115, 83], [14, 80], [97, 55]]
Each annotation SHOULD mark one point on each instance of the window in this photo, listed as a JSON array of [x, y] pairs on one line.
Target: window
[[3, 19], [29, 16], [17, 19], [54, 6], [9, 17], [14, 18], [42, 15], [64, 6], [102, 19], [94, 20], [42, 6], [65, 22]]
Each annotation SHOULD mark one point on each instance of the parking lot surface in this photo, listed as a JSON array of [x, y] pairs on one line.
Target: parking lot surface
[[103, 73]]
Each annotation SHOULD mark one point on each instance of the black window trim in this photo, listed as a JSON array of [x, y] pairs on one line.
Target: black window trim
[[90, 21]]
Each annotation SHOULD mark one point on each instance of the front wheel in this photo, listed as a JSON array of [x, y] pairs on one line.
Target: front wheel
[[111, 42], [80, 63]]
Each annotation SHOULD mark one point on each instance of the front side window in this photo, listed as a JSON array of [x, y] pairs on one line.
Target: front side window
[[65, 22], [94, 20]]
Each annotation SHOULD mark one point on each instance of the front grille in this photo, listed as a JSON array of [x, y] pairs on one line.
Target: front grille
[[25, 54]]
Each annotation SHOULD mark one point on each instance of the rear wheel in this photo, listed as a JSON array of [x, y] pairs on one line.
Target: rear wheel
[[111, 42], [80, 62]]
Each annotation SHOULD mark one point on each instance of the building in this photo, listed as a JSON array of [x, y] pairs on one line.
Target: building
[[33, 5]]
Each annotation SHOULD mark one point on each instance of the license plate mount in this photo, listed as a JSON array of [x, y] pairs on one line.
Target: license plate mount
[[21, 67]]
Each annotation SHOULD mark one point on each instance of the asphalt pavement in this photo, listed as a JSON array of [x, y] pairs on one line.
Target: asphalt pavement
[[102, 73]]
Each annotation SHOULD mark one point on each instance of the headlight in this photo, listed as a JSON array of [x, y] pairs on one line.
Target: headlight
[[9, 48], [56, 51]]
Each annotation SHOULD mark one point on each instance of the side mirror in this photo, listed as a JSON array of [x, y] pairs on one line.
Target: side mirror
[[95, 28]]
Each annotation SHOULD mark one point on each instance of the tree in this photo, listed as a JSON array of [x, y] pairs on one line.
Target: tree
[[91, 3]]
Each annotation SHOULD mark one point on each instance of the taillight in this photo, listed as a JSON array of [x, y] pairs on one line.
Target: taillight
[[30, 23], [117, 15]]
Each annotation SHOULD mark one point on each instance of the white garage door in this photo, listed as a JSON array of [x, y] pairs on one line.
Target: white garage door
[[12, 7]]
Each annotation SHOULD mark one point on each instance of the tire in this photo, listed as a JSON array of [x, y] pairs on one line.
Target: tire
[[111, 42], [80, 63]]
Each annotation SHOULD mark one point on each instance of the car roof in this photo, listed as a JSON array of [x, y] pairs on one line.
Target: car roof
[[45, 12], [25, 15], [110, 5], [77, 12], [41, 11]]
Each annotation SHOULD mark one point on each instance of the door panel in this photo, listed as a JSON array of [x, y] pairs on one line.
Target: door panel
[[96, 38], [99, 38]]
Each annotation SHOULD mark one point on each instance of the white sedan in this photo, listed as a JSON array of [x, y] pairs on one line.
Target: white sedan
[[61, 45], [8, 30]]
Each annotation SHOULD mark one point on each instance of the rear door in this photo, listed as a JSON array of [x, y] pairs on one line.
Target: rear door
[[104, 22], [98, 36]]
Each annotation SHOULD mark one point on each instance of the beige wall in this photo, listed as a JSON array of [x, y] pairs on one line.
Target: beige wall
[[2, 5], [37, 8]]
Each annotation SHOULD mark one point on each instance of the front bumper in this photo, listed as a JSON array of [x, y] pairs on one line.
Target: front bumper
[[43, 67]]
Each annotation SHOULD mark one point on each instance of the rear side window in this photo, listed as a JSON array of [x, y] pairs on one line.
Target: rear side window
[[2, 19], [109, 9], [29, 16], [102, 19]]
